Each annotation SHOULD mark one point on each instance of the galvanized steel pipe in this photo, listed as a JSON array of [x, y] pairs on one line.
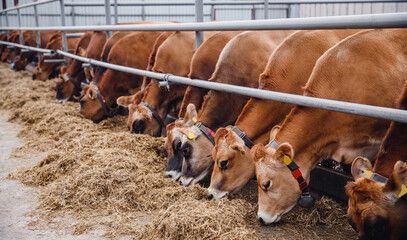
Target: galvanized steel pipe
[[385, 20], [26, 47]]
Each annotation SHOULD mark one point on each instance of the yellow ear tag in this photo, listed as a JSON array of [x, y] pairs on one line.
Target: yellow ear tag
[[368, 173], [242, 152], [194, 119], [403, 191], [66, 79], [287, 160], [83, 54], [190, 135]]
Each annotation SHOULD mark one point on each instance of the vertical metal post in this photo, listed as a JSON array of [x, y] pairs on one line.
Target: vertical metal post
[[213, 12], [108, 18], [64, 41], [73, 15], [37, 33], [20, 35], [143, 12], [199, 37], [8, 32], [116, 12], [266, 9]]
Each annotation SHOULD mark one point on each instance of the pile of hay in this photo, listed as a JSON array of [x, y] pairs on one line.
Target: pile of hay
[[102, 177]]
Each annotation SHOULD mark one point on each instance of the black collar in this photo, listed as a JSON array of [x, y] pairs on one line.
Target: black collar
[[155, 114], [243, 136], [101, 99], [207, 131]]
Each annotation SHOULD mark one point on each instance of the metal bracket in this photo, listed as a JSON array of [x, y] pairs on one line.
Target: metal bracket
[[166, 83], [51, 54]]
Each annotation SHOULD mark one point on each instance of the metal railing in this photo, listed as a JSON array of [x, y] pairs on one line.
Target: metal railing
[[398, 20]]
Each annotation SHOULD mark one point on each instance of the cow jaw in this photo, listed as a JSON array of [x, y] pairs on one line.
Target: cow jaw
[[283, 192], [197, 163], [240, 167]]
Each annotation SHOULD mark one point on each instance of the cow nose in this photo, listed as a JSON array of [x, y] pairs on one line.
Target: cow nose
[[34, 76], [138, 126], [262, 221], [210, 196]]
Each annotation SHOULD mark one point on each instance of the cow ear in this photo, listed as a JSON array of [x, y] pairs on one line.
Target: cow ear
[[63, 69], [191, 115], [361, 168], [81, 52], [284, 149], [238, 147], [398, 180], [274, 131], [258, 152], [125, 101]]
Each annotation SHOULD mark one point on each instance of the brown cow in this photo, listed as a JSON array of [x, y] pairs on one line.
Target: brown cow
[[132, 51], [202, 66], [71, 77], [25, 57], [288, 69], [9, 53], [368, 68], [3, 37], [369, 201], [219, 108], [45, 70], [147, 116]]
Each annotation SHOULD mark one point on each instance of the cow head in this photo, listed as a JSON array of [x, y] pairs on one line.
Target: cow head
[[175, 156], [43, 71], [65, 88], [132, 103], [374, 209], [233, 166], [196, 148], [20, 62], [91, 108], [141, 120]]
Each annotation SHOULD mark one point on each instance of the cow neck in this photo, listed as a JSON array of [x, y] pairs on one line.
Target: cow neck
[[307, 144], [220, 109]]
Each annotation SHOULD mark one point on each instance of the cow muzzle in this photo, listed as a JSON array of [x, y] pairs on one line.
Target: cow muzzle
[[138, 126]]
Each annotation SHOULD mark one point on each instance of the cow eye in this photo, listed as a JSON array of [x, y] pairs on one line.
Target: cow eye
[[223, 163], [266, 185]]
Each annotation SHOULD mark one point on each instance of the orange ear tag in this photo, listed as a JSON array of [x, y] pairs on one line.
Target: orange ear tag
[[287, 160], [403, 191]]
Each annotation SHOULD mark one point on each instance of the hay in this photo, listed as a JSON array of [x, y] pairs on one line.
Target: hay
[[107, 179]]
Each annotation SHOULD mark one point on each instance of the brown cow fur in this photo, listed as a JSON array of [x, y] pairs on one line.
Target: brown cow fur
[[9, 53], [240, 63], [367, 68], [65, 88], [44, 70], [169, 59], [131, 51], [31, 40], [288, 69]]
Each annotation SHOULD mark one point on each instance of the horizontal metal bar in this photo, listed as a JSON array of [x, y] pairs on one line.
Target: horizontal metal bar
[[332, 105], [386, 20], [86, 65], [74, 35], [50, 54], [25, 50], [120, 15], [225, 3], [10, 47], [26, 47], [28, 5], [54, 60]]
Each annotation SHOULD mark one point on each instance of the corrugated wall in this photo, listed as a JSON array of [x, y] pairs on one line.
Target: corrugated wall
[[50, 13]]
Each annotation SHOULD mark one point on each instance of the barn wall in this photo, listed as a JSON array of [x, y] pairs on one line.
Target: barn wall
[[50, 13]]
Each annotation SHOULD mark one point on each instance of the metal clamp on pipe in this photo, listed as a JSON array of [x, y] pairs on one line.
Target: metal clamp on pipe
[[166, 83], [51, 54], [54, 60]]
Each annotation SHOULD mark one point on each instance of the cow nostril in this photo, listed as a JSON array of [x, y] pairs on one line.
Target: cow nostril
[[262, 221], [210, 196], [185, 150], [34, 76], [138, 126]]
